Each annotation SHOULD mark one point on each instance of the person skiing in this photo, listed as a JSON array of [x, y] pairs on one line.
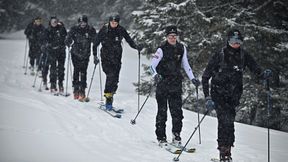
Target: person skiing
[[226, 69], [35, 32], [166, 70], [81, 35], [55, 37], [110, 36]]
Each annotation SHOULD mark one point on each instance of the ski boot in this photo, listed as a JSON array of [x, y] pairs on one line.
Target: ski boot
[[45, 85], [176, 139], [39, 73], [53, 89], [61, 88], [225, 153], [76, 92], [82, 95], [162, 141], [109, 101], [32, 72]]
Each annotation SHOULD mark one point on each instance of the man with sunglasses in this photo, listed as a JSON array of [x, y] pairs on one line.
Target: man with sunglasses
[[166, 66], [35, 33], [55, 46], [226, 70]]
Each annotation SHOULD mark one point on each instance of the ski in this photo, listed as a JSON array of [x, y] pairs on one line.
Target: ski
[[61, 94], [176, 150], [115, 109], [111, 113], [188, 150], [218, 160], [172, 149], [215, 160]]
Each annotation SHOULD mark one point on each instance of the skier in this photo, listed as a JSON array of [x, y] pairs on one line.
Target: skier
[[55, 37], [226, 69], [166, 70], [35, 34], [110, 36], [81, 35]]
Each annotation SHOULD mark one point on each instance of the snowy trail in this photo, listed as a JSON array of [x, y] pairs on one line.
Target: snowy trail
[[36, 126]]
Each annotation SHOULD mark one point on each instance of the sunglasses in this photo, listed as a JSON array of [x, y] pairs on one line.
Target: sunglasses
[[38, 21], [54, 21], [235, 41], [172, 36]]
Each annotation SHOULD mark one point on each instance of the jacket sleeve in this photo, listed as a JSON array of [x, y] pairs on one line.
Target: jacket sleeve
[[63, 32], [128, 39], [157, 57], [208, 73], [93, 37], [28, 30], [186, 66], [69, 38], [252, 65]]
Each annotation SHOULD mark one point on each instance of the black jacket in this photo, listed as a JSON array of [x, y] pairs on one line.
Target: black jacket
[[35, 34], [55, 36], [226, 70], [112, 37], [81, 39]]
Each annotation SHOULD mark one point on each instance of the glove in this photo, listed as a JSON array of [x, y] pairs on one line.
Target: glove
[[96, 60], [43, 48], [196, 82], [210, 105], [267, 74], [157, 78], [30, 37], [139, 47]]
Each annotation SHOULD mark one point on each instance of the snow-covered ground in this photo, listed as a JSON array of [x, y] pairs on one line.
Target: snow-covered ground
[[38, 127]]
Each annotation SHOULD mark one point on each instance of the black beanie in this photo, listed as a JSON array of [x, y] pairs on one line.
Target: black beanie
[[235, 34], [171, 30], [114, 18], [83, 18]]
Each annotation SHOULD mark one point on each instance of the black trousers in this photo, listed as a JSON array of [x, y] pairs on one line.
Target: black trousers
[[80, 72], [112, 72], [226, 117], [34, 53], [57, 65], [168, 95], [111, 64]]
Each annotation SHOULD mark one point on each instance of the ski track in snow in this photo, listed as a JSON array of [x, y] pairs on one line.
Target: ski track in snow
[[37, 126]]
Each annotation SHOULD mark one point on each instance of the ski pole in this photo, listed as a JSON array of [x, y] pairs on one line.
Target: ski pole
[[39, 67], [138, 80], [44, 67], [25, 73], [25, 53], [268, 114], [197, 107], [133, 121], [100, 78], [67, 72], [177, 158], [87, 98]]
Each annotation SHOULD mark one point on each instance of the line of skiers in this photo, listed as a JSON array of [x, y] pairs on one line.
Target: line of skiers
[[225, 69], [47, 48]]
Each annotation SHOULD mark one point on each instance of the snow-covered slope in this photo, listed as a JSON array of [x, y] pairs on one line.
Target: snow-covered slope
[[38, 127]]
